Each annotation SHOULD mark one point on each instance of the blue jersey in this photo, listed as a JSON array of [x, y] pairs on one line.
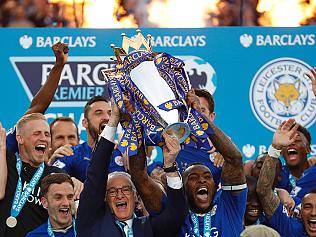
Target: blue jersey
[[77, 164], [227, 216], [285, 225], [305, 184], [41, 231], [298, 188], [190, 155], [12, 144]]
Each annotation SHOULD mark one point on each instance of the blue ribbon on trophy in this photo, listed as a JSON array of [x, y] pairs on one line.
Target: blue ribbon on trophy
[[156, 85]]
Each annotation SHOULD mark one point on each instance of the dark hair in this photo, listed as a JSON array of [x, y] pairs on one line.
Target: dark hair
[[91, 101], [208, 96], [54, 178], [63, 119], [306, 133]]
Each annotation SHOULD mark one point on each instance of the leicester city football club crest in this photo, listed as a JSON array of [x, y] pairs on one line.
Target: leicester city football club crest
[[280, 90]]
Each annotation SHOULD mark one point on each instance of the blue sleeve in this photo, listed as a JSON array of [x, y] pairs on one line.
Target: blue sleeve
[[286, 226], [284, 183], [235, 204], [12, 144], [64, 163], [117, 162]]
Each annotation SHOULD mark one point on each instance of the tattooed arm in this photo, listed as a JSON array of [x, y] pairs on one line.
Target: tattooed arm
[[232, 172], [283, 136]]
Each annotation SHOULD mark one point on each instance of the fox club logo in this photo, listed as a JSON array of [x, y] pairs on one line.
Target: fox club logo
[[246, 40], [201, 74], [280, 90], [26, 41]]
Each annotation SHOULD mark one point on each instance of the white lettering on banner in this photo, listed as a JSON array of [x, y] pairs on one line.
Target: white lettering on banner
[[72, 41], [83, 71], [179, 41], [285, 40]]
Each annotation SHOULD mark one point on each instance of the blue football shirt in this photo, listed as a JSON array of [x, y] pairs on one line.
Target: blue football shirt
[[77, 164], [41, 231], [285, 225], [226, 216]]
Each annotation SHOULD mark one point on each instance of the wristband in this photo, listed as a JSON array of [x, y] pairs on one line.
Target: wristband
[[274, 153], [173, 168]]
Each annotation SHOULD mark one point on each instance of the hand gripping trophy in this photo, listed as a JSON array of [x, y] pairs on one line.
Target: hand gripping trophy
[[156, 85]]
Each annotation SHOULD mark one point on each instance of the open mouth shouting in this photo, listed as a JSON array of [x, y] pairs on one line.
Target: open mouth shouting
[[312, 225], [41, 148], [202, 194], [64, 212], [292, 153], [121, 206]]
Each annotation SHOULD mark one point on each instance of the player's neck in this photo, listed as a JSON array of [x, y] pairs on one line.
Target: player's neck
[[91, 141], [297, 171], [58, 226]]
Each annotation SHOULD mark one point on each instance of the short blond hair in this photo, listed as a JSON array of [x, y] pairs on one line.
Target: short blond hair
[[27, 118]]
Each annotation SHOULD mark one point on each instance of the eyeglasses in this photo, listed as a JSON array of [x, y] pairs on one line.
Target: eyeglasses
[[126, 190]]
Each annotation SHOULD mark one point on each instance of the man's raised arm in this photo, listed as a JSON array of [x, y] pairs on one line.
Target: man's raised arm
[[44, 96], [283, 136]]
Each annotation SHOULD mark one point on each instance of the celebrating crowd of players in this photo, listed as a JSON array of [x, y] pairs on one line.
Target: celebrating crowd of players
[[52, 185]]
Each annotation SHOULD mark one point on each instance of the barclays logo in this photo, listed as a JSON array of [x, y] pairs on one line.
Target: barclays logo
[[248, 150], [26, 41], [201, 74], [72, 41], [246, 40], [279, 91]]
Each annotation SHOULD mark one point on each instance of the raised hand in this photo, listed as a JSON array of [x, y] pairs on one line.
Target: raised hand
[[193, 100], [312, 77], [62, 151], [115, 115], [285, 134], [170, 150], [61, 53]]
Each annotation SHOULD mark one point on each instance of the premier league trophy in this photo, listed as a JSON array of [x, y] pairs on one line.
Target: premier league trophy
[[156, 84]]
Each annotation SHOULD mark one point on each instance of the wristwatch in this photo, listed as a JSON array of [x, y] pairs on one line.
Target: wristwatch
[[173, 168]]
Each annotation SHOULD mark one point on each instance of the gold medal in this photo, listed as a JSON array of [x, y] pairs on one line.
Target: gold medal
[[11, 221]]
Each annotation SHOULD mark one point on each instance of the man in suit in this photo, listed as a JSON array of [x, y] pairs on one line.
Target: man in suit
[[115, 216]]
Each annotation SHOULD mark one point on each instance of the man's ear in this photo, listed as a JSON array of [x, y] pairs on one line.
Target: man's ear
[[85, 123], [44, 202], [19, 139], [212, 116]]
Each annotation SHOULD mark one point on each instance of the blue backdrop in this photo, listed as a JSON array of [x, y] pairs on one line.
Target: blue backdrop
[[256, 74]]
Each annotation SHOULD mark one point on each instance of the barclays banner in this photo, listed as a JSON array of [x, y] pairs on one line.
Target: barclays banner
[[255, 74]]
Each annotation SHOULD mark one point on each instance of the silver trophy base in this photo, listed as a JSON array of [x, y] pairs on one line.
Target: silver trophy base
[[178, 130]]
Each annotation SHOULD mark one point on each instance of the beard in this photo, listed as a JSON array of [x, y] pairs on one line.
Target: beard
[[95, 131]]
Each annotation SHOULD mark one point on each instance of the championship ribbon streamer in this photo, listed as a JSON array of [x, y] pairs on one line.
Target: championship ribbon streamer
[[155, 113]]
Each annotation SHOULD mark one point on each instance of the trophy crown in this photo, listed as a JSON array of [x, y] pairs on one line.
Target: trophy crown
[[136, 43]]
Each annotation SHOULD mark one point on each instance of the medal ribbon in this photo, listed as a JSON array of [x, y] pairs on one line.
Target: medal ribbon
[[51, 232], [21, 197], [207, 224]]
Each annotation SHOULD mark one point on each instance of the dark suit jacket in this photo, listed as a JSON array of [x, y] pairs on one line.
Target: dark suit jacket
[[95, 218]]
